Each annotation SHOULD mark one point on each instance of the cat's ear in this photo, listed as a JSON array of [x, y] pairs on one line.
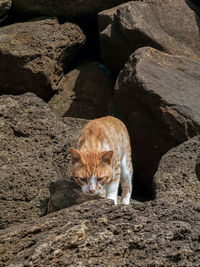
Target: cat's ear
[[75, 155], [107, 156]]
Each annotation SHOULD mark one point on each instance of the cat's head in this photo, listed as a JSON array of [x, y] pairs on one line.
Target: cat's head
[[92, 171]]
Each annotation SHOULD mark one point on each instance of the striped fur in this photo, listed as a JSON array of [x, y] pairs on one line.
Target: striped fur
[[102, 159]]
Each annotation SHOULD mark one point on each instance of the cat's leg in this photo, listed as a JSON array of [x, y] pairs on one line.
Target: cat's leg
[[126, 179], [112, 189]]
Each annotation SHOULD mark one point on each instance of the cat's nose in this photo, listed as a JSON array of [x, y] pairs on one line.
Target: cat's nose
[[91, 191]]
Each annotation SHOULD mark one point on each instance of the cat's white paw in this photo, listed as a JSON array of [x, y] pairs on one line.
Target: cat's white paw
[[113, 198], [125, 201]]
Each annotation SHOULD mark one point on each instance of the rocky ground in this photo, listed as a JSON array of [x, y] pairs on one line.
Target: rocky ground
[[63, 63]]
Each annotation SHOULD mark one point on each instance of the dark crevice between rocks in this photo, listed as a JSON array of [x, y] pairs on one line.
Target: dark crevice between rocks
[[91, 49], [44, 207], [141, 191], [197, 168]]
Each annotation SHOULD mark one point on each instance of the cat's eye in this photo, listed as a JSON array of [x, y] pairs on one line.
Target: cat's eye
[[83, 180], [100, 179]]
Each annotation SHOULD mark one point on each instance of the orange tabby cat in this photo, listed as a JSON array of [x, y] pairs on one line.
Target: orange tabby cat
[[102, 158]]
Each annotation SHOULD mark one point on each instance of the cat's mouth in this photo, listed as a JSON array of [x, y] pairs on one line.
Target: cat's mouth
[[97, 192]]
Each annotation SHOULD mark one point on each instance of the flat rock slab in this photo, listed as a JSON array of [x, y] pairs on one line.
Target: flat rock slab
[[158, 24], [178, 175], [158, 95], [32, 55], [5, 6], [63, 8], [84, 92], [97, 232], [33, 153]]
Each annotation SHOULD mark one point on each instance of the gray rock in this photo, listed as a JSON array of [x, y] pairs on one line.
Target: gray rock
[[98, 233], [158, 24], [84, 92], [33, 153], [63, 8], [158, 96], [32, 55], [65, 193], [178, 175], [5, 6]]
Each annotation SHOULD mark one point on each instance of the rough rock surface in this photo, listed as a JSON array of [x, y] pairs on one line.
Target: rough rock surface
[[64, 8], [84, 92], [158, 24], [33, 152], [178, 175], [96, 233], [162, 232], [32, 55], [65, 193], [5, 5], [158, 96]]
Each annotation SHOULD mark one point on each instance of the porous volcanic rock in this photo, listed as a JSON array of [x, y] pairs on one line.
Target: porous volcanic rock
[[63, 8], [158, 96], [33, 153], [32, 55], [178, 175], [5, 5], [84, 92], [74, 127], [158, 24], [96, 233]]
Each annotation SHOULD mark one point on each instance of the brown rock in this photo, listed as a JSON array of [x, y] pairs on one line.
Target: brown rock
[[65, 193], [64, 8], [178, 175], [5, 5], [97, 233], [74, 126], [32, 55], [158, 96], [84, 93], [33, 153], [158, 24]]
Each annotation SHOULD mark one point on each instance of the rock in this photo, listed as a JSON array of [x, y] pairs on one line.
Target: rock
[[64, 8], [32, 55], [33, 153], [84, 92], [177, 178], [65, 193], [74, 126], [158, 96], [148, 23], [97, 232], [5, 5]]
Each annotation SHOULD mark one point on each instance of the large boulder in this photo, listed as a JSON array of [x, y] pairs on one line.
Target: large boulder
[[33, 153], [178, 176], [158, 96], [32, 55], [97, 233], [84, 92], [63, 8], [5, 6], [158, 24]]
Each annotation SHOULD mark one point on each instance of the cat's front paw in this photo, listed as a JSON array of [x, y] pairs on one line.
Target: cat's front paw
[[125, 201], [113, 198]]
